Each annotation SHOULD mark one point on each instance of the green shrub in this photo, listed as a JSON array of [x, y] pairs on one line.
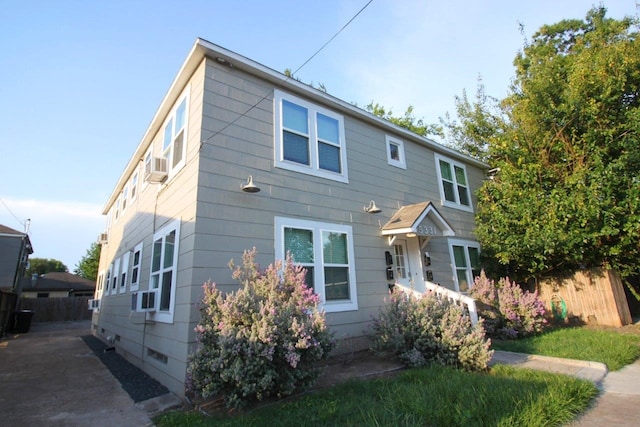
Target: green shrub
[[508, 311], [427, 329], [266, 339]]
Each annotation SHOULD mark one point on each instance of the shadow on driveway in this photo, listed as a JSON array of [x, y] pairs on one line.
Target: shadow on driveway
[[50, 377]]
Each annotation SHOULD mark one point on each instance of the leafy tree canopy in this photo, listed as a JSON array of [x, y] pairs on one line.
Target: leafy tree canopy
[[407, 120], [567, 195], [87, 267], [44, 266]]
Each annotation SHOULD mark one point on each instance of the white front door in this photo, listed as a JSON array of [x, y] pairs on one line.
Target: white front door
[[401, 263]]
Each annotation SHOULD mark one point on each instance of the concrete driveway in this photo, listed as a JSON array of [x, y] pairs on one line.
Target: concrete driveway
[[49, 377]]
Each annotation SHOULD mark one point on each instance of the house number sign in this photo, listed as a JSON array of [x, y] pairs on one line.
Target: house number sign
[[427, 230]]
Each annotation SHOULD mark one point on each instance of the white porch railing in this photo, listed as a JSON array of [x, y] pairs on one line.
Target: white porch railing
[[454, 296]]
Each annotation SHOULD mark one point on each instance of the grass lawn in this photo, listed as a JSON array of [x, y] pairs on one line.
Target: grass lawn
[[435, 395], [613, 348]]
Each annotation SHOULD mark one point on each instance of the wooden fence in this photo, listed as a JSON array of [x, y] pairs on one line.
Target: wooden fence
[[57, 309], [593, 296]]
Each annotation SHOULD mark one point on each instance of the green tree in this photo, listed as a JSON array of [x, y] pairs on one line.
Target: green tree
[[45, 265], [407, 120], [477, 122], [87, 267], [567, 195]]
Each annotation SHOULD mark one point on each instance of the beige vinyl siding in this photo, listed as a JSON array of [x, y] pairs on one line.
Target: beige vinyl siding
[[155, 206], [230, 221]]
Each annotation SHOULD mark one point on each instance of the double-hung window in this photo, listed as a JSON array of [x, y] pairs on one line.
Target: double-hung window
[[465, 259], [107, 281], [454, 186], [124, 270], [175, 136], [326, 252], [309, 139], [135, 267], [115, 276], [164, 263], [134, 185], [125, 197]]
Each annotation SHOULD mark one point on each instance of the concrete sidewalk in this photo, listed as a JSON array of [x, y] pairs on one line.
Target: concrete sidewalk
[[619, 401], [49, 377]]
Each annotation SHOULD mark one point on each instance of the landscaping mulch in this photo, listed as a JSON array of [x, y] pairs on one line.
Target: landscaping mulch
[[133, 380]]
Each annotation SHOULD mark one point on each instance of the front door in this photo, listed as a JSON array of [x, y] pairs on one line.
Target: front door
[[401, 263]]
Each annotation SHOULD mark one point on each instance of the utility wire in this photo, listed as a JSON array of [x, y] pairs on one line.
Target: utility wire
[[22, 223], [289, 77]]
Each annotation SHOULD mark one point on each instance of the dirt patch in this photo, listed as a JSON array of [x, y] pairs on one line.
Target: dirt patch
[[338, 369], [361, 364]]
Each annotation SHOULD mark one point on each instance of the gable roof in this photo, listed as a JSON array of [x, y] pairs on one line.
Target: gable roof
[[409, 218], [57, 281], [8, 230], [202, 49]]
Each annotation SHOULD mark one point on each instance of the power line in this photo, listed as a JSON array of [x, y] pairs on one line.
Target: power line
[[287, 78], [22, 223]]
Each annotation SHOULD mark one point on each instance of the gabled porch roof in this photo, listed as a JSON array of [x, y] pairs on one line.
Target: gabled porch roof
[[410, 219]]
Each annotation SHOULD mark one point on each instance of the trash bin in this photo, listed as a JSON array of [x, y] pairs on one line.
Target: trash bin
[[23, 321]]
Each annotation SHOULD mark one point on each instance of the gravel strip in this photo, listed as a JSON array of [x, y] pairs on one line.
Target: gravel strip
[[133, 380]]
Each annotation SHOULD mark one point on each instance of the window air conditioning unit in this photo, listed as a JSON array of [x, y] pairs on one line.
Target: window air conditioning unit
[[156, 170], [103, 238], [144, 301], [94, 304]]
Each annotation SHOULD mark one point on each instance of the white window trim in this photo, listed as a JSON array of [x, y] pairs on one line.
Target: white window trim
[[106, 288], [443, 200], [318, 227], [125, 199], [466, 244], [100, 285], [171, 117], [166, 316], [117, 210], [147, 159], [134, 286], [124, 273], [313, 168], [400, 163], [135, 181], [115, 276]]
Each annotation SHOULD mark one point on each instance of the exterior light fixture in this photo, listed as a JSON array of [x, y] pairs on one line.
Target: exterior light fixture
[[372, 208], [250, 187]]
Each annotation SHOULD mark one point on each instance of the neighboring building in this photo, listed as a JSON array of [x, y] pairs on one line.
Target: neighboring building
[[57, 285], [15, 248], [184, 206]]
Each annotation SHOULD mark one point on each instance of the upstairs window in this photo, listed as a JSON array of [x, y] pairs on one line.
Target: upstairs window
[[116, 214], [125, 198], [135, 267], [174, 137], [395, 152], [309, 138], [454, 187], [134, 185], [326, 252], [124, 270]]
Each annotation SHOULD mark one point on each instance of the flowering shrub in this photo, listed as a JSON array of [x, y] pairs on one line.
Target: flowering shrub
[[426, 329], [508, 311], [265, 339]]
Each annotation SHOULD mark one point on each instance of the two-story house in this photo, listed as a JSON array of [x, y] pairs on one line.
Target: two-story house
[[240, 156]]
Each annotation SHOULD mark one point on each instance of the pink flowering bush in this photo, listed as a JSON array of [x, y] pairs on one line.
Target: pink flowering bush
[[429, 329], [265, 339], [508, 310]]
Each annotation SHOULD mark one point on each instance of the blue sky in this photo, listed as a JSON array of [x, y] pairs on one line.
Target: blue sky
[[81, 80]]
